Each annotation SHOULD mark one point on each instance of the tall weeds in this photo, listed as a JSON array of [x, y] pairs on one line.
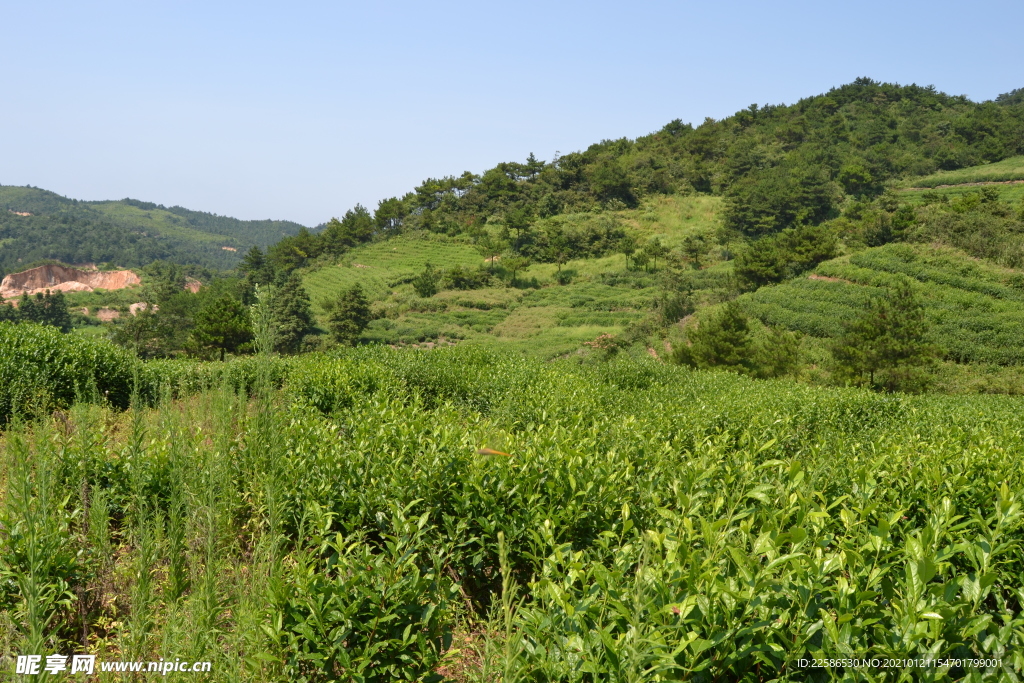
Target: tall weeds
[[628, 522]]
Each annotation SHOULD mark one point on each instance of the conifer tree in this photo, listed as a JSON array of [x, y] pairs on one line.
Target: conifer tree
[[721, 341], [425, 283], [222, 324], [292, 315], [48, 309], [348, 315], [886, 348]]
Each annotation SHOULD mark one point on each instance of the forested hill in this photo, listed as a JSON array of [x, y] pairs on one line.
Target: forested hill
[[777, 166], [38, 225]]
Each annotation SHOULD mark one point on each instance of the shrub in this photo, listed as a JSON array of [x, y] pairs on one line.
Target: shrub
[[780, 257], [426, 282], [42, 369]]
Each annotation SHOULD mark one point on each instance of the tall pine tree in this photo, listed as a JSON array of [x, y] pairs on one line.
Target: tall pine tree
[[886, 347], [292, 315], [722, 341], [221, 325]]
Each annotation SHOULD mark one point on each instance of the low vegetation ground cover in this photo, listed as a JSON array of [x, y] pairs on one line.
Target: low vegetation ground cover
[[1011, 168], [1010, 193], [557, 521], [549, 500], [549, 311], [974, 307]]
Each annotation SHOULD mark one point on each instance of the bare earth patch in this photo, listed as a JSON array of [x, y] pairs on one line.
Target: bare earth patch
[[462, 661], [64, 279], [826, 278], [983, 182]]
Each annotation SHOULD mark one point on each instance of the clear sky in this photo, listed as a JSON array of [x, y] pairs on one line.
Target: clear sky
[[299, 110]]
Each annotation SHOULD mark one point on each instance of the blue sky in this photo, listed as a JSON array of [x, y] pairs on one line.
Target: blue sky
[[299, 110]]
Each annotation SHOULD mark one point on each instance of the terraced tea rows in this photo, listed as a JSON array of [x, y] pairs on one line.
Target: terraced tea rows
[[975, 308]]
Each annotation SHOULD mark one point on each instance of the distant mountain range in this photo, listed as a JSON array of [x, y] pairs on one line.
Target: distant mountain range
[[37, 225]]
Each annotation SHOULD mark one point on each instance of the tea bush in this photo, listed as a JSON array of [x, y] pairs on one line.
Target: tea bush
[[41, 369], [974, 310], [397, 514]]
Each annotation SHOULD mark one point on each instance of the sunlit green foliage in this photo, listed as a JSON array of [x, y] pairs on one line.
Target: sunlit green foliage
[[42, 370], [784, 255], [1000, 171], [886, 346], [49, 308], [221, 325], [126, 233], [348, 315], [648, 522], [973, 308]]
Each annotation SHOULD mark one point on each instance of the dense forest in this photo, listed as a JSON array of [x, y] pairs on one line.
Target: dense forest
[[37, 225]]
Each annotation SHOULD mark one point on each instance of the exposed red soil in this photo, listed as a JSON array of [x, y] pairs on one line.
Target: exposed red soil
[[64, 279], [826, 278]]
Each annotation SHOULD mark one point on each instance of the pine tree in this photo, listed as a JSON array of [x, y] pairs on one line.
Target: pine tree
[[776, 354], [259, 272], [48, 309], [8, 313], [721, 341], [655, 249], [425, 283], [885, 348], [292, 314], [222, 324], [348, 315], [514, 263]]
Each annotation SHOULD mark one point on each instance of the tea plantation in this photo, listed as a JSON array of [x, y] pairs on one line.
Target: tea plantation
[[382, 514], [974, 308]]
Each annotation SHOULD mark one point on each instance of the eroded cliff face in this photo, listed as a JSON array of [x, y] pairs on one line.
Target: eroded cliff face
[[64, 279]]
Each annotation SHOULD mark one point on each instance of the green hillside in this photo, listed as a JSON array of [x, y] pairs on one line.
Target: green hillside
[[687, 414], [976, 309], [709, 193], [638, 245], [125, 233], [1007, 170], [539, 314]]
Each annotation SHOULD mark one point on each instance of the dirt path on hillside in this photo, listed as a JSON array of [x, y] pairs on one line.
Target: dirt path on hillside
[[984, 182]]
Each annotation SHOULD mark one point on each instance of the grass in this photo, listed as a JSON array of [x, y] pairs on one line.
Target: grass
[[163, 223], [99, 298], [1013, 194], [91, 331], [382, 266], [1000, 171], [648, 522], [538, 316]]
